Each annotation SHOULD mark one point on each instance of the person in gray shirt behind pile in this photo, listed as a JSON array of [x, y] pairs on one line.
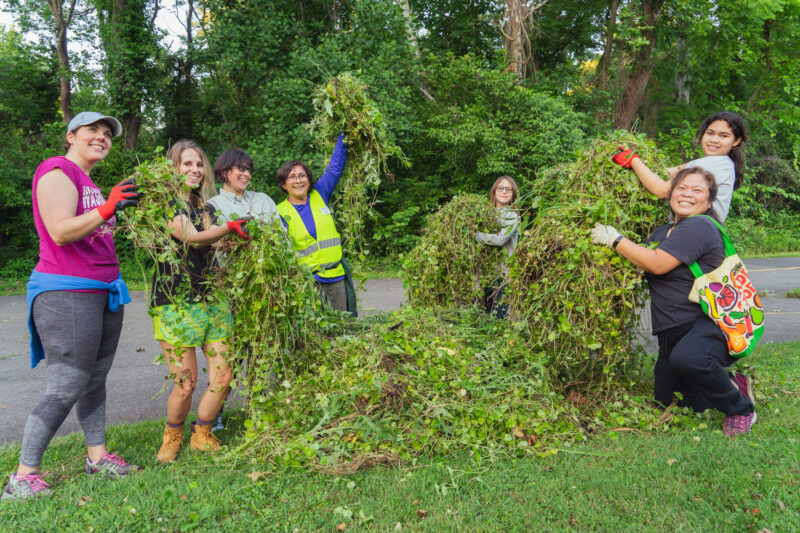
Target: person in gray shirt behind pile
[[232, 169]]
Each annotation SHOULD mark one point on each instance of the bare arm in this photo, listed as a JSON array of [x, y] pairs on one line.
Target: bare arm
[[57, 200], [185, 231], [651, 181], [654, 261]]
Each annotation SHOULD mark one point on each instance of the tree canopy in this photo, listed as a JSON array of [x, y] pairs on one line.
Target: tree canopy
[[444, 74]]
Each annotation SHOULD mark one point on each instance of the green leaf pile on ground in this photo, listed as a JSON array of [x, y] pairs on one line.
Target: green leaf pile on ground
[[689, 478]]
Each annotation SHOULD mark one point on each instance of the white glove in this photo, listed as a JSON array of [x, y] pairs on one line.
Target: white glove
[[602, 234]]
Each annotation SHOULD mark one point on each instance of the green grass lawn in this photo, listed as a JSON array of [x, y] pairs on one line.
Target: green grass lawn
[[689, 478]]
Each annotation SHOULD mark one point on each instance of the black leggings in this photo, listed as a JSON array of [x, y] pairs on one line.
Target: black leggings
[[692, 360]]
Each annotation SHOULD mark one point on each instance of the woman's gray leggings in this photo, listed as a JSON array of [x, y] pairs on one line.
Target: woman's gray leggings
[[80, 336]]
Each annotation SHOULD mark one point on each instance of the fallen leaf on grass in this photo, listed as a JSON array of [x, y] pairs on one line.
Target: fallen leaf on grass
[[623, 429], [519, 433], [781, 505], [422, 513], [756, 511], [577, 398], [341, 527], [183, 497], [255, 475], [83, 500], [671, 461], [573, 521], [765, 530]]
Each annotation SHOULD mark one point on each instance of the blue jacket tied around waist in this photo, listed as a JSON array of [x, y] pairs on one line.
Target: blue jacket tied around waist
[[39, 283]]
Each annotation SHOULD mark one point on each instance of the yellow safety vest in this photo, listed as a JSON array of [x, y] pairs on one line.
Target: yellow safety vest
[[322, 255]]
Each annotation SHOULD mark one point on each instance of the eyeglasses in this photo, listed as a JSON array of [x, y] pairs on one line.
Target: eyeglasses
[[296, 177], [505, 189], [242, 168]]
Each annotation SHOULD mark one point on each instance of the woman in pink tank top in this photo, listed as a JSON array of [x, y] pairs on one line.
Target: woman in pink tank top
[[79, 332]]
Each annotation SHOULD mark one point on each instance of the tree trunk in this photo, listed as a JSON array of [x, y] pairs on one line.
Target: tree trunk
[[133, 123], [126, 33], [517, 26], [605, 60], [643, 66], [62, 24], [412, 35], [682, 89]]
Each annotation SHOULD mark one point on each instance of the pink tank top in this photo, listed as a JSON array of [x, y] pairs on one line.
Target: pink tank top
[[92, 257]]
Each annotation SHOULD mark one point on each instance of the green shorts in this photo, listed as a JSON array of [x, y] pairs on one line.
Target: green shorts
[[192, 325]]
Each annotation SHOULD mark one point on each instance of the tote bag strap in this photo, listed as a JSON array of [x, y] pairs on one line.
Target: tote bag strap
[[729, 249]]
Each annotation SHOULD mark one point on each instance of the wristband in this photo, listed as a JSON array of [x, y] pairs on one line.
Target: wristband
[[616, 242]]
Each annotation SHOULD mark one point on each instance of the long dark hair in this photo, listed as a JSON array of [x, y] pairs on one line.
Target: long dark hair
[[739, 130], [710, 180]]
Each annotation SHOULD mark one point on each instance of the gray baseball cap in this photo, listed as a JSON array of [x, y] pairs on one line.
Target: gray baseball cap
[[84, 118]]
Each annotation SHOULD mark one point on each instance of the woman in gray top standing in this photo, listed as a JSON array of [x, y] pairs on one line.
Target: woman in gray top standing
[[232, 168], [722, 137], [503, 194]]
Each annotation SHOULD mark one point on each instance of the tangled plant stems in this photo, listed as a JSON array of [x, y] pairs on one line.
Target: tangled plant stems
[[575, 302], [448, 266], [278, 316], [343, 105], [161, 188]]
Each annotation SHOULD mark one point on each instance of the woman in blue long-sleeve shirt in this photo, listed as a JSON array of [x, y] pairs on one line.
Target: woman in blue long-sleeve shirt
[[308, 218]]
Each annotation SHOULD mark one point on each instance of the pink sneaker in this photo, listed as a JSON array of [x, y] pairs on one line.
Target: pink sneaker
[[111, 465], [745, 385], [28, 486], [739, 424]]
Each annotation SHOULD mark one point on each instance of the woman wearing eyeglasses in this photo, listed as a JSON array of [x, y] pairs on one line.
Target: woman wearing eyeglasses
[[233, 168], [309, 221], [503, 194]]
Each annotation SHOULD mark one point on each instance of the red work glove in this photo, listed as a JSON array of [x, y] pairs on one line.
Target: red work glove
[[240, 227], [625, 157], [124, 194]]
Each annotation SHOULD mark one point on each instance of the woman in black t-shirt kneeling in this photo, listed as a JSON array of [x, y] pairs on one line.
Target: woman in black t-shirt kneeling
[[692, 350]]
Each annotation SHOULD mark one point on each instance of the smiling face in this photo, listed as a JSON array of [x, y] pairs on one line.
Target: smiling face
[[191, 167], [297, 185], [503, 193], [690, 197], [237, 178], [718, 139], [91, 142]]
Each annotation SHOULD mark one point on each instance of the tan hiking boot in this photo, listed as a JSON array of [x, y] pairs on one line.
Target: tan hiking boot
[[203, 440], [173, 437]]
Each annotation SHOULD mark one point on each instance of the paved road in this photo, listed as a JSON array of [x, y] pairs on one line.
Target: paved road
[[134, 382]]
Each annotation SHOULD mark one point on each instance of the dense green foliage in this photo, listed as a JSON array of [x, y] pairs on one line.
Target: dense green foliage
[[342, 105], [452, 107], [448, 266], [277, 312], [577, 302]]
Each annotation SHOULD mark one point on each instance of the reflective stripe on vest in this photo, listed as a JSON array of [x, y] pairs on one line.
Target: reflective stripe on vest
[[324, 254]]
